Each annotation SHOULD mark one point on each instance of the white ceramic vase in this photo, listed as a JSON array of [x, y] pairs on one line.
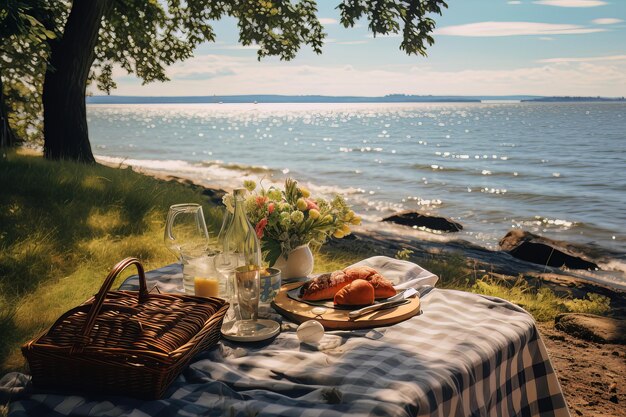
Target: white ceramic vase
[[298, 264]]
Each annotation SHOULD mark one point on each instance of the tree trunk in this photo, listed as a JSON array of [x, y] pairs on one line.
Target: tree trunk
[[7, 137], [64, 111]]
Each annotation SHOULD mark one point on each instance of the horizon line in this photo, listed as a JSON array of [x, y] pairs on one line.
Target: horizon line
[[318, 98], [392, 95]]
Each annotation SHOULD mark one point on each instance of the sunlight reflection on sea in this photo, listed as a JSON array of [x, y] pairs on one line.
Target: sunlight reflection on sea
[[554, 169]]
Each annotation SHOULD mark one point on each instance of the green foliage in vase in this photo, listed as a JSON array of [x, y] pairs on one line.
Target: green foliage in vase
[[286, 219]]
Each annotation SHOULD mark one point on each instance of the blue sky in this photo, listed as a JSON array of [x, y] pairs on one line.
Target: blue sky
[[482, 47]]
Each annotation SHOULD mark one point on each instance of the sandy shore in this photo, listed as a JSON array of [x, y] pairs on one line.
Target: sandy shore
[[593, 376]]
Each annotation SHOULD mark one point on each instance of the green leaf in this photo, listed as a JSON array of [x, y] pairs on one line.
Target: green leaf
[[272, 250], [50, 34]]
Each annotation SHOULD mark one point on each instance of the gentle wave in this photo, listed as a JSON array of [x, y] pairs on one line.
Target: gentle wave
[[211, 174], [232, 174], [248, 169], [174, 166], [437, 167]]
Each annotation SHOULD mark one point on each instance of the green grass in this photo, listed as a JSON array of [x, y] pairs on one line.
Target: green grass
[[64, 225], [542, 303]]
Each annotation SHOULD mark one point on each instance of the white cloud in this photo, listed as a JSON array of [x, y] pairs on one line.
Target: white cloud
[[328, 21], [585, 59], [571, 3], [546, 38], [333, 41], [244, 75], [514, 2], [606, 21], [351, 42], [214, 66], [488, 29]]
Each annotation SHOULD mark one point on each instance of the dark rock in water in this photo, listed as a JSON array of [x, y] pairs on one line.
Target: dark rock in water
[[413, 218], [592, 328], [543, 251]]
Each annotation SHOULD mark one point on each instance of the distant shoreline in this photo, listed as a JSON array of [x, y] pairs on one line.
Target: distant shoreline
[[393, 98]]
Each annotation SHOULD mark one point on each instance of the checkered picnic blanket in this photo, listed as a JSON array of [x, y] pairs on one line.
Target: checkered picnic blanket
[[465, 355]]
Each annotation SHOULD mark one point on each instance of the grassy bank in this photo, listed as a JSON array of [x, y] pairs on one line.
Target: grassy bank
[[63, 225]]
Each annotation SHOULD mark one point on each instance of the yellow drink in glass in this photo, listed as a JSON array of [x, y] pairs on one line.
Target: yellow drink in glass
[[206, 287]]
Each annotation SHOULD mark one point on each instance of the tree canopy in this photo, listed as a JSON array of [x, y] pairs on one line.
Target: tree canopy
[[145, 36], [23, 54]]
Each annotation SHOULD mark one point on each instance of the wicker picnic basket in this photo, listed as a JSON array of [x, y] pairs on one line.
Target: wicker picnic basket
[[124, 342]]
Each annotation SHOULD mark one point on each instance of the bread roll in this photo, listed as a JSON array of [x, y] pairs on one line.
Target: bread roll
[[382, 287], [360, 272], [325, 286], [358, 293]]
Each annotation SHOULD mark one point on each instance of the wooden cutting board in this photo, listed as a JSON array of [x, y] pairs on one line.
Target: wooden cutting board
[[332, 319]]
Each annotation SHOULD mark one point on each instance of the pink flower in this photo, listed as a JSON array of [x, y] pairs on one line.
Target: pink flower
[[260, 227], [310, 204], [260, 201], [270, 208]]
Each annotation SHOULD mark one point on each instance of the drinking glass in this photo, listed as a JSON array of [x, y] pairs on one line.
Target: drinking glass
[[225, 264], [248, 278]]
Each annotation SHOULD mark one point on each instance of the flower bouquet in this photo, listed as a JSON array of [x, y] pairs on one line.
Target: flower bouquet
[[289, 218]]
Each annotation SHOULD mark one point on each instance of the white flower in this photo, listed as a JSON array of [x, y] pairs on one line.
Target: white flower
[[297, 216]]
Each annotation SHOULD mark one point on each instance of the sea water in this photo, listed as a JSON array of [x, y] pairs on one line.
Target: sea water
[[556, 169]]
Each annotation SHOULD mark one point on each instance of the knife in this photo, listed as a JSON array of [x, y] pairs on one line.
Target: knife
[[393, 301]]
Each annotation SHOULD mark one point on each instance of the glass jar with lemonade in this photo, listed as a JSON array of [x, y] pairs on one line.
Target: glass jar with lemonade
[[206, 287], [202, 279]]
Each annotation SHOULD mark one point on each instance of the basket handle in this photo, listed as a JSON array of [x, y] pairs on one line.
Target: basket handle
[[99, 298]]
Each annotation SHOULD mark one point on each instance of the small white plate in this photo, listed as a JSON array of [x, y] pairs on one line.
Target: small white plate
[[265, 329]]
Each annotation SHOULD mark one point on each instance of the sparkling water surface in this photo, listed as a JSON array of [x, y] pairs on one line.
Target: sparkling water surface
[[557, 169]]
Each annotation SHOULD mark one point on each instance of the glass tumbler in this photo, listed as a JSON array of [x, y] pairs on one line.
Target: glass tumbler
[[247, 281]]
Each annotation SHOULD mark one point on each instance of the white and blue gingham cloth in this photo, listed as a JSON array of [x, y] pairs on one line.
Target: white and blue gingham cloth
[[465, 355]]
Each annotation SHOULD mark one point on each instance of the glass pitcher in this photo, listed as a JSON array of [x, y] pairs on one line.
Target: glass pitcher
[[186, 234], [187, 237]]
